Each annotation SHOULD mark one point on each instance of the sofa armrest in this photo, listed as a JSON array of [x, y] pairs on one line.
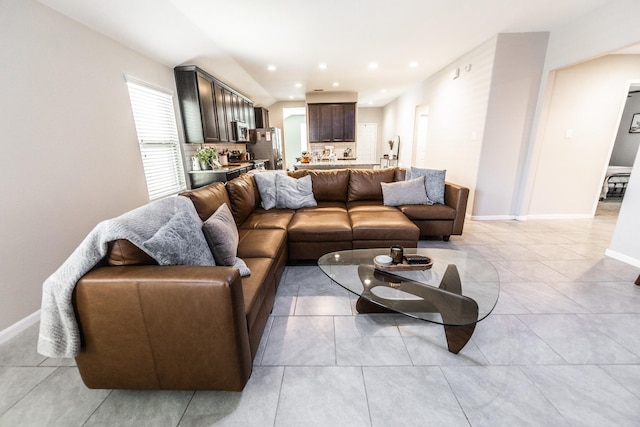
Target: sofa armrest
[[456, 196], [163, 327]]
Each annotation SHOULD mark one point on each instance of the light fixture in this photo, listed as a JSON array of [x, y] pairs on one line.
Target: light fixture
[[413, 64], [322, 66], [290, 96], [336, 84], [373, 65], [271, 67], [298, 85], [383, 91]]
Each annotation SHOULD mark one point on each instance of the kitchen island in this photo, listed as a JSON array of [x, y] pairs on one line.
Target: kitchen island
[[226, 173], [338, 164]]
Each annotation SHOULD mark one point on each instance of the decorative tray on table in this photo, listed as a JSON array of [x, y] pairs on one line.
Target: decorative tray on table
[[409, 262]]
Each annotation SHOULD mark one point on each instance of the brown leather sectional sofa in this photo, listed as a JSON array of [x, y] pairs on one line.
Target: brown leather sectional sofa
[[146, 326]]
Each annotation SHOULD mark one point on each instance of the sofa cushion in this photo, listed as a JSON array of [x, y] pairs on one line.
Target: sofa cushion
[[253, 287], [433, 212], [364, 184], [244, 197], [292, 193], [298, 173], [330, 185], [208, 199], [261, 243], [433, 182], [222, 236], [180, 242], [314, 225], [123, 252], [369, 206], [411, 192], [273, 218], [383, 225]]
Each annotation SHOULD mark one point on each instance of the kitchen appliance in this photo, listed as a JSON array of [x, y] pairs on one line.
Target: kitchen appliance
[[266, 144], [240, 131]]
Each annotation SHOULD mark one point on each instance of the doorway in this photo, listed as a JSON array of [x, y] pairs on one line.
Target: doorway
[[367, 141], [294, 123], [623, 154], [419, 152]]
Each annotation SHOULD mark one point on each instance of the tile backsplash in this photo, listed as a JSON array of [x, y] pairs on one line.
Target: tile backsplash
[[338, 147]]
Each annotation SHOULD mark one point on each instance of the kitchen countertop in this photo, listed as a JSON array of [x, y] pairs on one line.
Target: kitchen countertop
[[338, 164], [229, 168]]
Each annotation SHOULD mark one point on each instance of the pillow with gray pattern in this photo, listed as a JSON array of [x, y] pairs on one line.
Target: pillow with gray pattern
[[409, 192], [433, 183], [292, 193]]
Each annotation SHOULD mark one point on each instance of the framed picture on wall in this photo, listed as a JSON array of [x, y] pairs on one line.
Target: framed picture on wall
[[635, 124]]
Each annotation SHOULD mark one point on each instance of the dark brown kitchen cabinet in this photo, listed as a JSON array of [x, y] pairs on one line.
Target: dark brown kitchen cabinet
[[223, 126], [209, 107], [262, 117], [332, 122], [197, 106]]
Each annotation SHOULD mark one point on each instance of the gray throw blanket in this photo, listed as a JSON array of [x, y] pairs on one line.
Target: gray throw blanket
[[164, 229]]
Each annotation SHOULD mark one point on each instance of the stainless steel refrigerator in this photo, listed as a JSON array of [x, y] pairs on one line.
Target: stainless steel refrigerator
[[266, 144]]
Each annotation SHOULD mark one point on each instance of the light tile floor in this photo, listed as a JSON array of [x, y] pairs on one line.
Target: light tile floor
[[562, 348]]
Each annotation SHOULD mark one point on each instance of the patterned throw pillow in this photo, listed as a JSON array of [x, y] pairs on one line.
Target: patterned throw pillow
[[294, 193], [266, 182], [222, 235], [411, 192], [433, 183], [180, 242]]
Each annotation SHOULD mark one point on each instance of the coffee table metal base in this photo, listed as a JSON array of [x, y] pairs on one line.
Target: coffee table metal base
[[447, 300]]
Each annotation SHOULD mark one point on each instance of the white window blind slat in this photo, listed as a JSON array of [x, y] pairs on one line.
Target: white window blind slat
[[155, 121]]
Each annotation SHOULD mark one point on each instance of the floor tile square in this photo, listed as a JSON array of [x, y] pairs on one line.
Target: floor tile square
[[402, 396], [323, 396], [496, 396], [300, 340], [586, 395]]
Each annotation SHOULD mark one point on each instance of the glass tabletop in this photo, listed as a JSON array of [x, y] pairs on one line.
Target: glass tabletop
[[459, 289]]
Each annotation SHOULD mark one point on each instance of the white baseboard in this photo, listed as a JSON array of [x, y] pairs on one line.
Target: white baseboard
[[561, 216], [621, 257], [492, 217], [16, 328]]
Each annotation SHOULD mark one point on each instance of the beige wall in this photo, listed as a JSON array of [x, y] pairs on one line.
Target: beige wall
[[517, 72], [586, 100], [69, 149], [457, 113]]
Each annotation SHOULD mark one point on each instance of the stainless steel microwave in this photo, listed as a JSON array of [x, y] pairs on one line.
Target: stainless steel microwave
[[240, 131]]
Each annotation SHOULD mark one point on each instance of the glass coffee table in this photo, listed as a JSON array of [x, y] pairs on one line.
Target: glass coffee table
[[457, 291]]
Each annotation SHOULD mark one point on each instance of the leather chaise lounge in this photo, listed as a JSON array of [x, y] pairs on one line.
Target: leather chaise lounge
[[146, 326]]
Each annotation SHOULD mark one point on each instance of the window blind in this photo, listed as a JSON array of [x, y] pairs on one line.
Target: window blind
[[155, 121]]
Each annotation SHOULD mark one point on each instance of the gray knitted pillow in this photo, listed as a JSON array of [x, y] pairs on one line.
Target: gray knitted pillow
[[410, 192], [266, 182], [180, 242], [222, 235], [294, 193], [433, 183]]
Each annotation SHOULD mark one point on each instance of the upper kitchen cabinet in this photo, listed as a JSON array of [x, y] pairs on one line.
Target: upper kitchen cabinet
[[262, 117], [332, 122], [209, 107]]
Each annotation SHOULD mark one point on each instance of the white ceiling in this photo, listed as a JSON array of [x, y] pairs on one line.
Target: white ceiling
[[235, 40]]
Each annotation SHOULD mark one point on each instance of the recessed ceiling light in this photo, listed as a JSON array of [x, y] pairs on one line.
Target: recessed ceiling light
[[383, 91], [271, 68], [298, 84], [336, 84], [413, 64], [370, 102], [290, 96], [322, 66], [373, 65]]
